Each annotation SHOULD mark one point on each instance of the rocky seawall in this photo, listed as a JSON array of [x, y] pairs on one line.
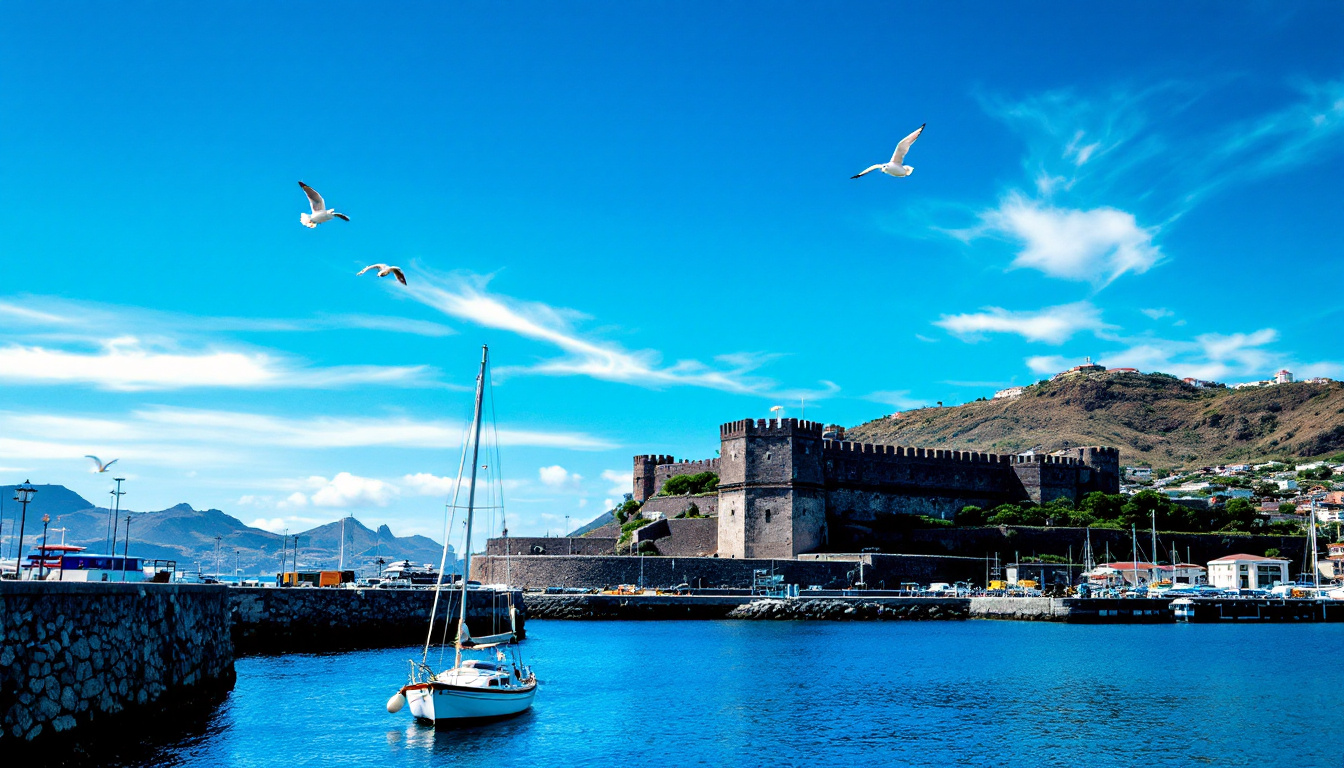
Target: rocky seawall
[[853, 610], [105, 657]]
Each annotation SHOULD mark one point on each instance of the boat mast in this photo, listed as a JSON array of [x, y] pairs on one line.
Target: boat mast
[[1315, 574], [1154, 530], [448, 536], [471, 501]]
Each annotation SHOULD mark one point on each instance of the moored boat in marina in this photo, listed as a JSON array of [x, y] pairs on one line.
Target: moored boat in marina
[[471, 690]]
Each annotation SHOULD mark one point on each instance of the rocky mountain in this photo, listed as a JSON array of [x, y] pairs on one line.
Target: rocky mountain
[[188, 536], [1152, 418]]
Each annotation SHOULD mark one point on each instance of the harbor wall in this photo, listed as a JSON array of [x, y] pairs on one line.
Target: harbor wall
[[103, 656], [271, 620], [541, 571]]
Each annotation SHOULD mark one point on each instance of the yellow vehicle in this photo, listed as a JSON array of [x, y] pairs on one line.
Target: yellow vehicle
[[1027, 584], [997, 585]]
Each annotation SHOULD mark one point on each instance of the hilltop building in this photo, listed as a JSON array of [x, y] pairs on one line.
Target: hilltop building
[[785, 489], [1087, 367]]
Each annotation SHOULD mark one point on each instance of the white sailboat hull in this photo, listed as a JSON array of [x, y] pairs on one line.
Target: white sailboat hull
[[457, 704]]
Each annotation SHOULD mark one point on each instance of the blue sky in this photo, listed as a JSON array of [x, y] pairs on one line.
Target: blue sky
[[645, 209]]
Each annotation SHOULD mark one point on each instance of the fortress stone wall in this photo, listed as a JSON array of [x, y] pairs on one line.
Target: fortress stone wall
[[784, 489]]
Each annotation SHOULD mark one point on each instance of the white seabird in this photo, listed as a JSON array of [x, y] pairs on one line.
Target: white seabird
[[894, 168], [321, 213], [101, 466], [385, 270]]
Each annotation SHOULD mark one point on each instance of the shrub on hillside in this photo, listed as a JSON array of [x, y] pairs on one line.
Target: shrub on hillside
[[693, 485]]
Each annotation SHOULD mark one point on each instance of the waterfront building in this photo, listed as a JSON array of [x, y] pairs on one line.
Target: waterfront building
[[1243, 571]]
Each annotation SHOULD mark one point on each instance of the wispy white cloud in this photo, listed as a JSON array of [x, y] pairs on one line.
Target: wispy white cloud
[[1052, 325], [1211, 356], [621, 482], [1157, 313], [557, 477], [428, 484], [1111, 170], [128, 364], [1095, 245], [1048, 363], [466, 297], [205, 438], [898, 398], [349, 490]]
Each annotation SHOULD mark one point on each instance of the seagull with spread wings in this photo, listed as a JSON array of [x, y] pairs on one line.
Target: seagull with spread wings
[[895, 167], [101, 467], [384, 270], [321, 213]]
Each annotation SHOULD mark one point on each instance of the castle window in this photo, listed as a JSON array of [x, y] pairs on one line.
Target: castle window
[[767, 455], [767, 515]]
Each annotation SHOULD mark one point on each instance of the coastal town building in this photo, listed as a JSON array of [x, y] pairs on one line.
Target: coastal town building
[[784, 489], [1011, 393], [1242, 571], [1138, 573]]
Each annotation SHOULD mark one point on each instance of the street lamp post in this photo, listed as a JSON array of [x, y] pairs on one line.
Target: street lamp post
[[42, 561], [116, 512], [218, 539], [22, 494], [126, 547]]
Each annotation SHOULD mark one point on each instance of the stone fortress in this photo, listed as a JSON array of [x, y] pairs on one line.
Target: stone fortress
[[789, 487], [796, 499]]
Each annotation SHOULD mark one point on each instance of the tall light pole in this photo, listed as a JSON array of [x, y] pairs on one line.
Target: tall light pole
[[238, 566], [116, 512], [126, 547], [218, 539], [42, 562], [22, 494]]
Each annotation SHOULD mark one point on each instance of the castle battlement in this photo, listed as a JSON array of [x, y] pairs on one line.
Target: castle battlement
[[689, 467], [789, 485], [769, 427]]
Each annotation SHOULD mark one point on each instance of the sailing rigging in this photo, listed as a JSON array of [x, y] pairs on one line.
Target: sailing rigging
[[473, 689]]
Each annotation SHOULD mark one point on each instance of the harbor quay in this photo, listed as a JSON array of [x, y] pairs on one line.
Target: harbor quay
[[98, 657]]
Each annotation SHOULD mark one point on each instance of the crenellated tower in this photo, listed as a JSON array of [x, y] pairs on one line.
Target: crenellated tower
[[645, 476], [771, 488]]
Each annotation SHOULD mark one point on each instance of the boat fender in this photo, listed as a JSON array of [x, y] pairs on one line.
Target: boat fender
[[395, 703]]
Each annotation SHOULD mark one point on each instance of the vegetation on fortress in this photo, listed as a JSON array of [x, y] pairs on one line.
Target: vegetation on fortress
[[700, 484], [1113, 510], [1154, 419]]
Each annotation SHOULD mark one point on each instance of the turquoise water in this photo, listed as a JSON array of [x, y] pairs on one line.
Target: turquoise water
[[813, 693]]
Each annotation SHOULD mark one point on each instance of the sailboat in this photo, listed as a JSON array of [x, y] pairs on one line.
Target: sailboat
[[473, 689]]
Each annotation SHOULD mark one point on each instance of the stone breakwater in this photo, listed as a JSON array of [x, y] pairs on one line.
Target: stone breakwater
[[269, 620], [93, 656], [853, 610]]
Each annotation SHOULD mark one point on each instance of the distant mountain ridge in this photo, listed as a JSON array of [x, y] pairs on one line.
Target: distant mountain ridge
[[1152, 418], [187, 535]]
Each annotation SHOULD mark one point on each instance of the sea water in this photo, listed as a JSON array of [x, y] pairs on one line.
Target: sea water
[[765, 693]]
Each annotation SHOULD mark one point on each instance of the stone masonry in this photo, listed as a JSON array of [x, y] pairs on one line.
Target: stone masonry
[[76, 654], [784, 489]]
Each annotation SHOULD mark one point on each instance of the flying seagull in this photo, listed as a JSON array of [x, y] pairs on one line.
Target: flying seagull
[[321, 213], [384, 270], [894, 168], [101, 466]]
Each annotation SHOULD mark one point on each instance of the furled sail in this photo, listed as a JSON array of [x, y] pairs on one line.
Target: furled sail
[[487, 641]]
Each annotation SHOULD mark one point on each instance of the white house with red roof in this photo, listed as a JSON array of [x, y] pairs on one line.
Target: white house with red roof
[[1242, 571]]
